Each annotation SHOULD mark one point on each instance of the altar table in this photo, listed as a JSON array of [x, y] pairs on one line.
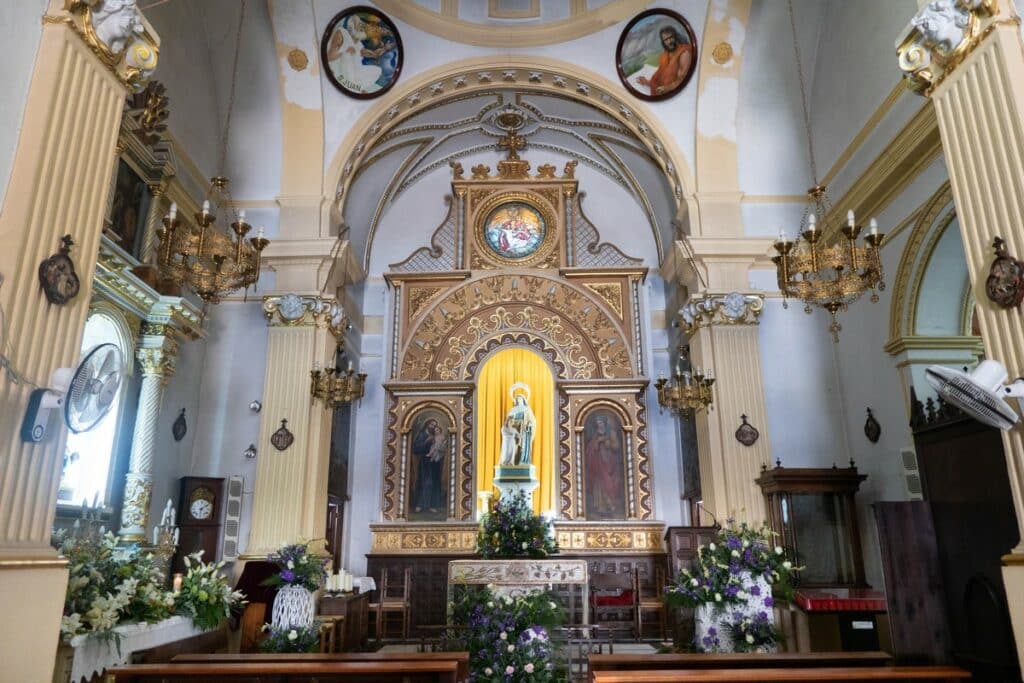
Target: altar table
[[517, 577]]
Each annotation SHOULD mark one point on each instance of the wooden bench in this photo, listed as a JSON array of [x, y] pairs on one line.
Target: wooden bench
[[795, 675], [461, 658], [446, 671], [783, 660]]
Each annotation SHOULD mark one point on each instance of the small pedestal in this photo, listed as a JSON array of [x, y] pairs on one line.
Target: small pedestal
[[511, 479]]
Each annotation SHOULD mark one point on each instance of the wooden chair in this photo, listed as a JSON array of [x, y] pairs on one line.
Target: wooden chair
[[390, 600], [651, 600], [612, 593]]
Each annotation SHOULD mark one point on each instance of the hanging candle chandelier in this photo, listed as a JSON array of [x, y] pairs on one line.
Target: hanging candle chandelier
[[822, 275]]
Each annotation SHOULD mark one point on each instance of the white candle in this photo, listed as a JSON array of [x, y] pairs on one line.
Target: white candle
[[241, 215], [350, 366], [849, 218], [174, 211], [259, 233], [874, 226], [176, 585], [316, 366], [155, 532], [812, 222], [175, 536], [711, 374], [348, 581], [782, 235]]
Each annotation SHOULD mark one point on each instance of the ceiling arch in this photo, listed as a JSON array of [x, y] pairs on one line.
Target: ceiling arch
[[441, 115]]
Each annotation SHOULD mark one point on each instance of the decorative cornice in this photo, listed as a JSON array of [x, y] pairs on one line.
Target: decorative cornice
[[294, 310], [900, 345], [730, 309], [118, 34], [939, 38]]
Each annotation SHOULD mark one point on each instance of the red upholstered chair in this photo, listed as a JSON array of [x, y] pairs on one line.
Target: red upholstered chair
[[612, 594]]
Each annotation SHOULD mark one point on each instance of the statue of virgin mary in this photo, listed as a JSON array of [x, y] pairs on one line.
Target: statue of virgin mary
[[518, 429]]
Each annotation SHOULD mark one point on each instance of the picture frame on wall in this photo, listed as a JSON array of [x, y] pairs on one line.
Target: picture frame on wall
[[656, 55], [362, 52], [129, 209]]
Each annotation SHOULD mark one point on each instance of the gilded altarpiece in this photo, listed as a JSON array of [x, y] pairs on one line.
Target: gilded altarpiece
[[517, 263]]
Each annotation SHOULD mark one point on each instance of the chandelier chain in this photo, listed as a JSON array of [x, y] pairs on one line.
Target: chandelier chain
[[803, 94], [222, 162]]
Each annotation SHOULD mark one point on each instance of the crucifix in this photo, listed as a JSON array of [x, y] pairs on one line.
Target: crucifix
[[513, 143]]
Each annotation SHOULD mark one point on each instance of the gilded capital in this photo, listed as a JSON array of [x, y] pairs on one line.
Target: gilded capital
[[157, 361], [297, 310], [119, 35], [938, 38], [729, 309]]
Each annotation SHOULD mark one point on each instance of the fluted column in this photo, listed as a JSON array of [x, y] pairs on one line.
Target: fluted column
[[972, 67], [157, 365], [723, 336], [290, 498], [59, 183]]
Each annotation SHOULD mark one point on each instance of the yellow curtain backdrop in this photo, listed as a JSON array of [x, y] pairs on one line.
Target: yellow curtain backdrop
[[493, 402]]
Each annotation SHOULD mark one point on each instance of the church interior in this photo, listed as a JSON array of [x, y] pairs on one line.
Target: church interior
[[352, 299]]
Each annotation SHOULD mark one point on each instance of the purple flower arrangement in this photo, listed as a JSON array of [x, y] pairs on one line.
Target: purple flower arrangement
[[512, 530], [297, 568], [722, 570], [507, 637], [753, 633]]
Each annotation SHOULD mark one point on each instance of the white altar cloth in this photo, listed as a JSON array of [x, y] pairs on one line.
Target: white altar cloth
[[93, 655]]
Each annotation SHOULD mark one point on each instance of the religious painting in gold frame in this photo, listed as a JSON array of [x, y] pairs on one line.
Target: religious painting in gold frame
[[604, 465], [515, 229], [430, 437]]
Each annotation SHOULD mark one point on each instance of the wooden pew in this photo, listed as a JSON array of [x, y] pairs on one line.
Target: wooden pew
[[886, 674], [289, 672], [789, 660], [462, 658]]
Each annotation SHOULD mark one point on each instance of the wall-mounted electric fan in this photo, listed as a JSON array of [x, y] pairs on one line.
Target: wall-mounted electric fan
[[85, 394], [981, 393]]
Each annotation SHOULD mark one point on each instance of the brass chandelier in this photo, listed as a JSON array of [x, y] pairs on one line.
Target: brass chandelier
[[210, 261], [826, 276], [335, 386], [689, 392]]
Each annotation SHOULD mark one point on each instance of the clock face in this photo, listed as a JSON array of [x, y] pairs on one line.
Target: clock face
[[201, 505]]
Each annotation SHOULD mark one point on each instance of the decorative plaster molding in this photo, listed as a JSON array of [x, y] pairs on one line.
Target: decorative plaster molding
[[118, 34], [158, 361], [731, 309], [938, 38], [294, 310]]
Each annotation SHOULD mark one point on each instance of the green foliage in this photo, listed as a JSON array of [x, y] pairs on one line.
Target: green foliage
[[291, 639], [206, 596], [512, 530], [508, 638], [296, 567], [108, 585]]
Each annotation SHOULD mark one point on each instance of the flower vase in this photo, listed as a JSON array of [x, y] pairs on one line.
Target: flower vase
[[712, 620], [293, 606]]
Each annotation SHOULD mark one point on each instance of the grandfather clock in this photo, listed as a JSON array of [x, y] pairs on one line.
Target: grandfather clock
[[200, 508]]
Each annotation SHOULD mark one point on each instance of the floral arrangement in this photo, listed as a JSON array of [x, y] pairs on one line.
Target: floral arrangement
[[753, 633], [722, 570], [512, 530], [206, 596], [108, 585], [290, 639], [297, 568], [507, 637]]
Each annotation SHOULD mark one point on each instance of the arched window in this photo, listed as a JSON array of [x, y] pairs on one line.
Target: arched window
[[88, 457]]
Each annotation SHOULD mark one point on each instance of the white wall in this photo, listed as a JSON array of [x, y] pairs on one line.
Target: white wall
[[21, 27]]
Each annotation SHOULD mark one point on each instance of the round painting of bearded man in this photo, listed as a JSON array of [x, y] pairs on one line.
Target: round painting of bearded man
[[362, 52], [657, 54], [514, 230]]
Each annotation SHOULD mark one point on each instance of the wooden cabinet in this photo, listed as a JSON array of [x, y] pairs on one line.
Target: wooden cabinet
[[814, 512], [355, 607]]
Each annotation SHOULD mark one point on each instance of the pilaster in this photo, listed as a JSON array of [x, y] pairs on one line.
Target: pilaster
[[58, 184], [723, 335], [969, 60], [290, 497]]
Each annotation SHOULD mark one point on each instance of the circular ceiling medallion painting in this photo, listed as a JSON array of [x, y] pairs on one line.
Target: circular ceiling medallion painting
[[361, 52], [514, 230]]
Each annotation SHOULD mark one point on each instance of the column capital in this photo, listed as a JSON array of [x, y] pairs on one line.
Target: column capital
[[296, 310], [705, 310], [941, 35], [118, 34], [158, 361]]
